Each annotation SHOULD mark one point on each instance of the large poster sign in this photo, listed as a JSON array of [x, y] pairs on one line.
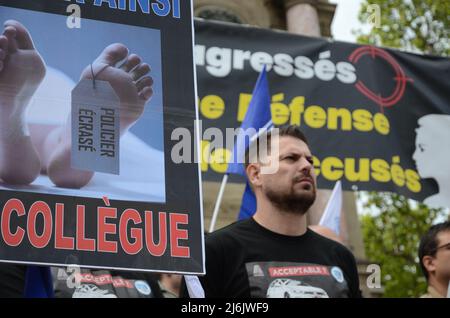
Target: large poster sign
[[90, 92], [377, 119]]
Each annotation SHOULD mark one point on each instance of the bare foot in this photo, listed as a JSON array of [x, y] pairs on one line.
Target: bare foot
[[131, 84], [21, 71]]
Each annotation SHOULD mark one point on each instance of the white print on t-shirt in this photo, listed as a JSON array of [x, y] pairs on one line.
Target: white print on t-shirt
[[91, 291], [143, 287], [337, 274], [296, 280], [257, 271], [290, 288]]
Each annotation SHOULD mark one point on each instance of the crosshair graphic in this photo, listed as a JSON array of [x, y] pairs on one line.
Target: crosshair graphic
[[400, 78]]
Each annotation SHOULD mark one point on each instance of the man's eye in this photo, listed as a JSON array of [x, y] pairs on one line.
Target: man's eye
[[421, 147]]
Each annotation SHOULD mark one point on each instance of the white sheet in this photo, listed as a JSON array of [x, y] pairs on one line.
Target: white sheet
[[141, 166], [140, 179]]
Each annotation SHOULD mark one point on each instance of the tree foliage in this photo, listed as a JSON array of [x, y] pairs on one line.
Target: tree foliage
[[413, 25], [391, 238], [393, 225]]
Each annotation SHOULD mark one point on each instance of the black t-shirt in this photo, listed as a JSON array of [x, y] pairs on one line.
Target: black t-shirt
[[105, 284], [92, 283], [12, 280], [245, 259]]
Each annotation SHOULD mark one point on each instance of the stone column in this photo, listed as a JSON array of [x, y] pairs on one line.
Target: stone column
[[302, 17]]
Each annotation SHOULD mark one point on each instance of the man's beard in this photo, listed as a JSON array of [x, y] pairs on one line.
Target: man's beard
[[295, 203]]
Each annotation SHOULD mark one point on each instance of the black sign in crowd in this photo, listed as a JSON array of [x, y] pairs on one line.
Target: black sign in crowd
[[377, 119]]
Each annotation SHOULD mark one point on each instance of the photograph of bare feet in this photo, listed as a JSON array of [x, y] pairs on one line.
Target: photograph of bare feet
[[37, 74]]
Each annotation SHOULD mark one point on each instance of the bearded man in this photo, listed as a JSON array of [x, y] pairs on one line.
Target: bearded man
[[274, 254]]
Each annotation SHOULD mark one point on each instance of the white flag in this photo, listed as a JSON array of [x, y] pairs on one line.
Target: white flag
[[331, 218], [194, 287]]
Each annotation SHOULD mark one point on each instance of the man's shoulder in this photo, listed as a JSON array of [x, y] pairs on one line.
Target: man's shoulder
[[331, 245], [231, 235], [230, 231], [432, 293]]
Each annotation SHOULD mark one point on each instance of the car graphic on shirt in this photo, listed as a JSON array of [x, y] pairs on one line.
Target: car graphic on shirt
[[91, 291], [290, 288]]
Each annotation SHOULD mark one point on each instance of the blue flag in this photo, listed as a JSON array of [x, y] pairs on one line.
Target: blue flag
[[258, 116], [38, 282]]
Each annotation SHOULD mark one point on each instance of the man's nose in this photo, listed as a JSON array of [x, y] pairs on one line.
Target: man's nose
[[305, 165]]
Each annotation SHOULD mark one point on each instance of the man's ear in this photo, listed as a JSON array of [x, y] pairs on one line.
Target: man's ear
[[253, 174], [429, 263]]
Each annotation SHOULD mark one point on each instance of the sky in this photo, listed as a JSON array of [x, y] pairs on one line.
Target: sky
[[346, 19]]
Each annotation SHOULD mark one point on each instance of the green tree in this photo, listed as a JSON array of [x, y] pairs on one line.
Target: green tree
[[392, 225], [412, 25], [391, 236]]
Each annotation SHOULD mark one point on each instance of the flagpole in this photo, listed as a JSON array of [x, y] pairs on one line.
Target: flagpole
[[218, 202]]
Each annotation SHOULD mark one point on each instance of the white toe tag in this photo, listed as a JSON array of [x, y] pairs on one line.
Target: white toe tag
[[95, 127]]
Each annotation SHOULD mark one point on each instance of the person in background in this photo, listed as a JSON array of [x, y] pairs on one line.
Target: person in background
[[83, 283], [434, 256], [170, 285]]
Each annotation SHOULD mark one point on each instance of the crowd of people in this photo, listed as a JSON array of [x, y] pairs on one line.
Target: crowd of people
[[273, 254]]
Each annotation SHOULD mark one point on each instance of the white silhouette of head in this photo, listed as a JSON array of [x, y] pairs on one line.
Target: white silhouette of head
[[432, 155]]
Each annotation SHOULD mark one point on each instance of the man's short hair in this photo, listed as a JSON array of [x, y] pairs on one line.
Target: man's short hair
[[286, 130], [429, 243]]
